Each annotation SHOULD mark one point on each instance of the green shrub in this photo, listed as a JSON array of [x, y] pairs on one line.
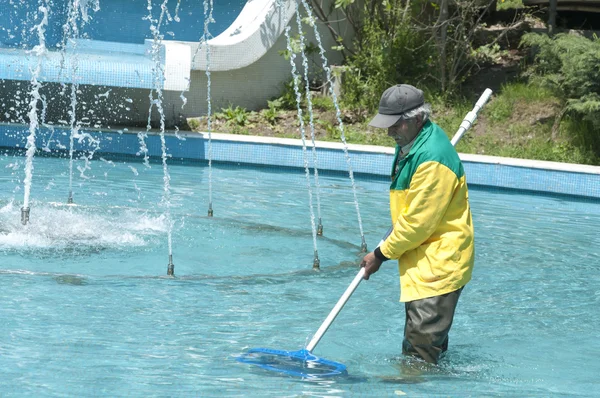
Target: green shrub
[[237, 115], [194, 124], [287, 100], [272, 113], [385, 56], [323, 103], [569, 65], [509, 4]]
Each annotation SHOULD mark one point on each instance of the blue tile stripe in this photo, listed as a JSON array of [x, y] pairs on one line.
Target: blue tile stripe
[[287, 153], [96, 63]]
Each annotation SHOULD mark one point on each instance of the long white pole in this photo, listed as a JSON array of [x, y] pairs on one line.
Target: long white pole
[[464, 126], [471, 116]]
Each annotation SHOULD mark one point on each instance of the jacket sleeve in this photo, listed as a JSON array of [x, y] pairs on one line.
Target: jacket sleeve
[[429, 195]]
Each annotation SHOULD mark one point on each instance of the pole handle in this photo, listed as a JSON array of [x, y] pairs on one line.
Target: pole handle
[[336, 310], [471, 116]]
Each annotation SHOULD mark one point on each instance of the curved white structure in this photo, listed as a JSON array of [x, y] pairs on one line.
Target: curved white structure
[[245, 61], [249, 37]]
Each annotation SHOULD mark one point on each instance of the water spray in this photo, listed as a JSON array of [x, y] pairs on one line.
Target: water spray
[[338, 114], [296, 80]]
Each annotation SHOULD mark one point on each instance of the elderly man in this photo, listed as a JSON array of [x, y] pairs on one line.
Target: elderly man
[[432, 236]]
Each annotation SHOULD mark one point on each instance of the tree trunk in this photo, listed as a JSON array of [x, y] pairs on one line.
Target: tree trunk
[[443, 38], [552, 18]]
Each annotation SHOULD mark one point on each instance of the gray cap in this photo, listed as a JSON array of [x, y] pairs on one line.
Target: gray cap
[[396, 101]]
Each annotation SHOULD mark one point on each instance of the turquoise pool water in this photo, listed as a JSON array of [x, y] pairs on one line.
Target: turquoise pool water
[[87, 309]]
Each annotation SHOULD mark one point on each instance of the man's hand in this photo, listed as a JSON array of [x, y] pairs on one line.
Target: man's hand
[[371, 264]]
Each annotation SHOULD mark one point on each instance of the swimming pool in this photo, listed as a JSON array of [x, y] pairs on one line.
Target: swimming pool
[[87, 309]]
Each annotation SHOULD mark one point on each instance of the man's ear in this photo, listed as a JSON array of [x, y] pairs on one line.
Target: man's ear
[[420, 120]]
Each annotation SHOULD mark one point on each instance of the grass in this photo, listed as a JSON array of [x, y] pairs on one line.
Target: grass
[[517, 122]]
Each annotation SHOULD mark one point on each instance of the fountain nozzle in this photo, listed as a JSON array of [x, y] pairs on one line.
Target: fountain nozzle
[[70, 199], [171, 266], [316, 262], [363, 246], [320, 228], [24, 215]]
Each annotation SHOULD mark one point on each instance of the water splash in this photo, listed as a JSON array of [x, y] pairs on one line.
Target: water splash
[[203, 41], [70, 32], [208, 18], [39, 51], [338, 115], [74, 132], [77, 14], [296, 79], [159, 77], [82, 231], [176, 17]]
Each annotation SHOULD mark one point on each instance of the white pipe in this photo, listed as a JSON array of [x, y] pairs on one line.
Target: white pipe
[[336, 310], [471, 116]]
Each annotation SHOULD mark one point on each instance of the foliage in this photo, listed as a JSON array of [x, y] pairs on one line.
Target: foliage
[[296, 48], [490, 53], [509, 4], [194, 124], [503, 106], [385, 56], [356, 134], [271, 114], [584, 137], [397, 41], [323, 103], [569, 65], [237, 116], [287, 100]]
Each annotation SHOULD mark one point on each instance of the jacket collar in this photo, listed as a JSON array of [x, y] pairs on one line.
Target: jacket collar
[[419, 139]]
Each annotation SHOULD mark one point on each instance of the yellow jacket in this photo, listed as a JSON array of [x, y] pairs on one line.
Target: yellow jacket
[[433, 229]]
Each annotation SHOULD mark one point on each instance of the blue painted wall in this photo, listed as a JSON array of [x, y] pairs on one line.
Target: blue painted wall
[[117, 20]]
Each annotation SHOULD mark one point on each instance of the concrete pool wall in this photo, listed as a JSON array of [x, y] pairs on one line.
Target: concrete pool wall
[[366, 161]]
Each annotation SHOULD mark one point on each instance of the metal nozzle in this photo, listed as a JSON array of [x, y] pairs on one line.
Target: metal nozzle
[[24, 215], [70, 199], [171, 266], [363, 246], [320, 228], [316, 262], [210, 210]]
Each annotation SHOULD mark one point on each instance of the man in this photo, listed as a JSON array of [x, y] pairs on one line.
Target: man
[[432, 236]]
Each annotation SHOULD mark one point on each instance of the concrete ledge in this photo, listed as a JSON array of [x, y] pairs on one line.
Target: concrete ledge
[[533, 164]]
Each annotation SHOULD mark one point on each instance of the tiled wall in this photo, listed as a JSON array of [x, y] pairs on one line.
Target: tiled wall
[[543, 177]]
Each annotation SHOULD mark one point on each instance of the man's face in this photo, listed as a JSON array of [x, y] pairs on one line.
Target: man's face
[[405, 130]]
